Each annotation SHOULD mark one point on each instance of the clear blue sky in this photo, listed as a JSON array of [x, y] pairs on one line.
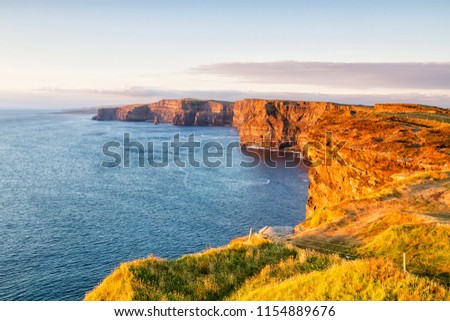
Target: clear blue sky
[[80, 53]]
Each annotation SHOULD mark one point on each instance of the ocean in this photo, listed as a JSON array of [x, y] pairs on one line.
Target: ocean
[[69, 215]]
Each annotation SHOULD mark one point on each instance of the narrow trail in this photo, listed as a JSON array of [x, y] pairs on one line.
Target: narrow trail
[[309, 243]]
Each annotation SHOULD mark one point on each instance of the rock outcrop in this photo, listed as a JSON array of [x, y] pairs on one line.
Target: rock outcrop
[[106, 113]]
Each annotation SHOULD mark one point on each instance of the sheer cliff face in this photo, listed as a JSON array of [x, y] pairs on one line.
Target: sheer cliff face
[[298, 124], [204, 113], [276, 123], [356, 150], [187, 112], [109, 113]]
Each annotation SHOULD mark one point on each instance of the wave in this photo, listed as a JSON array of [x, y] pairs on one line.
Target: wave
[[257, 182]]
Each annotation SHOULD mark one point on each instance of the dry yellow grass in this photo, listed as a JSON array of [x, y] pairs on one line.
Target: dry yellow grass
[[262, 270], [210, 275], [427, 248], [116, 286], [370, 279]]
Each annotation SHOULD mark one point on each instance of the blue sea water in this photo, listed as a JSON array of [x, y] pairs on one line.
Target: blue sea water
[[66, 221]]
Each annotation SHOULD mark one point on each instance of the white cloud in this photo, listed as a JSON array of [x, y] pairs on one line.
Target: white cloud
[[408, 75]]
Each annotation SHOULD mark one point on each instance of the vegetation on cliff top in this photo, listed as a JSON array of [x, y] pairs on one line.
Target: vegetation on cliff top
[[426, 246], [371, 279], [211, 275], [264, 270]]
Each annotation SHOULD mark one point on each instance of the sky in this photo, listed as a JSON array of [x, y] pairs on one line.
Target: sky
[[65, 54]]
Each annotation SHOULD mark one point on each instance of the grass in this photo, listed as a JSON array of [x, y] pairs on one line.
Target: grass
[[264, 270], [211, 275], [443, 118], [116, 286], [427, 248], [305, 261], [370, 279]]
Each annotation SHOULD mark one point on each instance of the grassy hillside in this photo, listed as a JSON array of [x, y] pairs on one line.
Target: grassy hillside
[[371, 279], [265, 270], [211, 275], [427, 248]]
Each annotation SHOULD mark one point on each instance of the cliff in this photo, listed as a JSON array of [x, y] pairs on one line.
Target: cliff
[[278, 123], [373, 144], [377, 148], [377, 142], [186, 112]]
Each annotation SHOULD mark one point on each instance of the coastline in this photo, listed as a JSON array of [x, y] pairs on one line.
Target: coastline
[[396, 178]]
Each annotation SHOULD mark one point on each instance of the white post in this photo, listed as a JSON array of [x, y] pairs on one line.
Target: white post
[[250, 234], [404, 262]]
